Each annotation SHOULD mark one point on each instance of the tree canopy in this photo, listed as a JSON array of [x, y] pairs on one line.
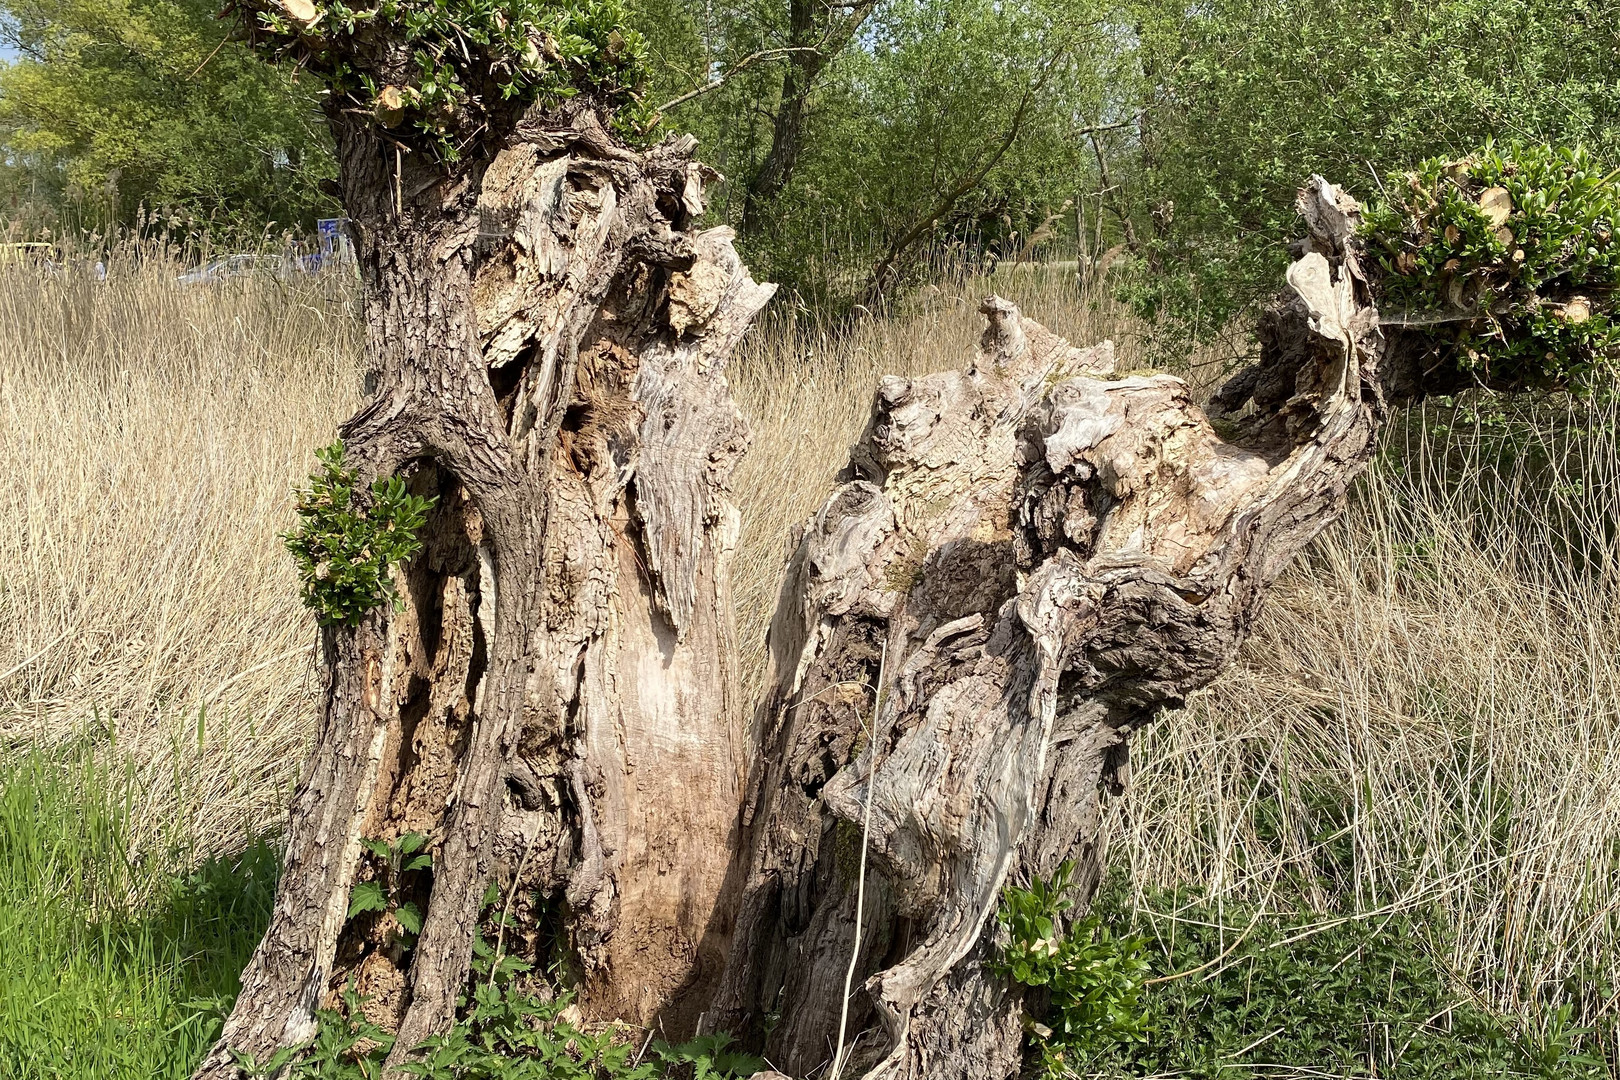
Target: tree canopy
[[853, 138], [117, 104]]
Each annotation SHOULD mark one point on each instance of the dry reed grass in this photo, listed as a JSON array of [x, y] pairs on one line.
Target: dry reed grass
[[1430, 711], [1430, 700], [151, 436]]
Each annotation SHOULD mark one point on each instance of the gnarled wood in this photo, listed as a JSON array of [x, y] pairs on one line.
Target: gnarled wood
[[554, 705], [1046, 555]]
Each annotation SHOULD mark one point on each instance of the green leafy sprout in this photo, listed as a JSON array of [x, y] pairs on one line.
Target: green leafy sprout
[[1508, 260], [344, 551], [501, 1031], [1092, 979], [404, 856], [441, 69]]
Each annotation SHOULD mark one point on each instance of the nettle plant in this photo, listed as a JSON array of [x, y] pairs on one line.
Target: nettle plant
[[394, 861], [1507, 260], [1091, 980], [440, 70], [346, 551]]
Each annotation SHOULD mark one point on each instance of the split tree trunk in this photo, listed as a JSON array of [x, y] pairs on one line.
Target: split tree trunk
[[555, 705], [1029, 559]]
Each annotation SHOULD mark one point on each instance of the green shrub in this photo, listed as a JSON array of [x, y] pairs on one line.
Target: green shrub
[[345, 553], [1508, 259], [1235, 989], [506, 1033], [465, 59], [1091, 980]]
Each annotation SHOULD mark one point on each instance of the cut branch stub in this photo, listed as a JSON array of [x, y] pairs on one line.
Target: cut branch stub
[[1049, 556]]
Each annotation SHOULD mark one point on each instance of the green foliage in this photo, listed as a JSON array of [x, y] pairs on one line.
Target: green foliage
[[367, 896], [513, 1035], [1205, 117], [917, 102], [707, 1057], [1246, 99], [112, 964], [462, 63], [503, 1032], [1517, 244], [110, 105], [344, 551], [1092, 979], [1357, 996], [346, 1046], [404, 856]]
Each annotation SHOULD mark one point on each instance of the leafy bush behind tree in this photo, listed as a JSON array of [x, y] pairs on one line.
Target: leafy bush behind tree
[[1508, 259]]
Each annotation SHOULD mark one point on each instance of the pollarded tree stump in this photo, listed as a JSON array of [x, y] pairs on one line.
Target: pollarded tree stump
[[555, 706], [1038, 557]]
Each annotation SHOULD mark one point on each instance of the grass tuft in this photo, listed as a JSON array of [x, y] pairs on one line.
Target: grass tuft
[[113, 965]]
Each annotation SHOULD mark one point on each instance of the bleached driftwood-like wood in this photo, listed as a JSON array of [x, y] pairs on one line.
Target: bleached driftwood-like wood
[[554, 707], [1048, 555]]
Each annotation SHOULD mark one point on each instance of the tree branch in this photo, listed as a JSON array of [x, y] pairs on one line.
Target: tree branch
[[883, 273], [735, 69], [1108, 185]]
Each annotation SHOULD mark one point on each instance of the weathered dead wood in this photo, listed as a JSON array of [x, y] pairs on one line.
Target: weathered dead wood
[[555, 702], [1048, 555]]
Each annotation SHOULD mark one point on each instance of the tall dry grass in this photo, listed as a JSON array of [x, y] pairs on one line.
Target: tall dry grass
[[1425, 718], [151, 435], [1428, 716]]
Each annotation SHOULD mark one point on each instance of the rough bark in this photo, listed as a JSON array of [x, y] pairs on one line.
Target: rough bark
[[554, 705], [1038, 556]]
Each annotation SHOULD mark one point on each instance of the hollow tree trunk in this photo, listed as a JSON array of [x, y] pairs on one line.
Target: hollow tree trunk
[[1030, 558], [554, 705]]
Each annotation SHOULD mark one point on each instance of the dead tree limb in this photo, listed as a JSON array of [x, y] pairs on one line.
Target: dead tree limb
[[1050, 555]]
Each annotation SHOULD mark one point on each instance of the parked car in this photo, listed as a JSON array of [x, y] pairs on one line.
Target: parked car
[[231, 266]]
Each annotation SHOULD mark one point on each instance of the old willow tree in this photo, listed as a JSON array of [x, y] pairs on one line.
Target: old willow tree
[[546, 695], [519, 556]]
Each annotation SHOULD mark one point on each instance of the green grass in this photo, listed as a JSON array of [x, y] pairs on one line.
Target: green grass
[[1182, 986], [112, 966]]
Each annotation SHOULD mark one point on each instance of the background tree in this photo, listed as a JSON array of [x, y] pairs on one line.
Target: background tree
[[1241, 99], [939, 115], [116, 104], [839, 130]]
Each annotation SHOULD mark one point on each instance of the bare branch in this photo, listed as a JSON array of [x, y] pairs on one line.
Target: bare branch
[[735, 69], [884, 271]]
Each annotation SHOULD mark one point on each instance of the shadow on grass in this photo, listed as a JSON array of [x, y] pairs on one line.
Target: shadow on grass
[[93, 985]]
